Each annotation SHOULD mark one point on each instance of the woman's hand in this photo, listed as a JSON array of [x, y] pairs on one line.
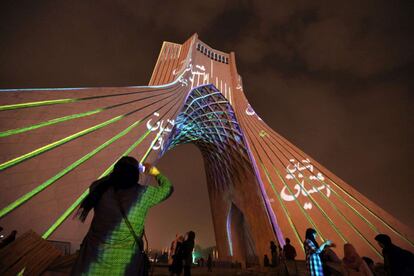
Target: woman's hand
[[151, 170]]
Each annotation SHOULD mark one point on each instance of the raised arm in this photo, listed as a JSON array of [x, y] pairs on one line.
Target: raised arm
[[157, 194]]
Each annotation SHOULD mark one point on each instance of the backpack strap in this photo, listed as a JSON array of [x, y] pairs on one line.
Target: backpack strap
[[137, 239]]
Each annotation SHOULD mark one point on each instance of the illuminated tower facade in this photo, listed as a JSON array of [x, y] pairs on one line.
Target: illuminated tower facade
[[55, 142]]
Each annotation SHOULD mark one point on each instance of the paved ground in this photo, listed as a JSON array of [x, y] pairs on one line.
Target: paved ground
[[202, 271], [290, 269]]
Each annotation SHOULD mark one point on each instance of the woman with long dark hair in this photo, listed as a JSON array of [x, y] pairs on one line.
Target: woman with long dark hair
[[113, 244], [313, 250]]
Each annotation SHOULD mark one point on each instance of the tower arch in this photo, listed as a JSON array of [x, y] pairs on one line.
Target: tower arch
[[55, 142]]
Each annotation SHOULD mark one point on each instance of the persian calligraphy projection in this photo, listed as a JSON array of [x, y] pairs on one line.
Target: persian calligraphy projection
[[55, 142]]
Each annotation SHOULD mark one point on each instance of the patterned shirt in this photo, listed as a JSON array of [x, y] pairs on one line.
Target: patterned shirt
[[109, 247], [313, 260]]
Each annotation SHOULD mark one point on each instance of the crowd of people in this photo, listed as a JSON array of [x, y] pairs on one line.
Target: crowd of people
[[114, 245], [321, 260]]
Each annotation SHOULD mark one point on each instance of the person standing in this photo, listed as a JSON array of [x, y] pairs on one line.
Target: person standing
[[266, 261], [273, 252], [397, 261], [288, 255], [209, 263], [289, 251], [113, 244], [313, 250], [188, 246], [171, 251], [176, 267]]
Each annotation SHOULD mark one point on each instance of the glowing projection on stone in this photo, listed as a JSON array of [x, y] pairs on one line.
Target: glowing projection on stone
[[228, 228], [298, 172], [55, 144]]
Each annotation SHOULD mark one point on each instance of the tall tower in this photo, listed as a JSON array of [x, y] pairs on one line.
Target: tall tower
[[55, 142]]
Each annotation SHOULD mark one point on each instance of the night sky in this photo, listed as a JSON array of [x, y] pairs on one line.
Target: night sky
[[333, 77]]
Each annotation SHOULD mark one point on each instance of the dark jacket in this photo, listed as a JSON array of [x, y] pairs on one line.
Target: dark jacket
[[188, 246], [398, 262]]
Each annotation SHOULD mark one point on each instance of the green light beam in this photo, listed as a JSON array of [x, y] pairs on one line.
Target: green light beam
[[78, 201], [65, 215], [63, 172], [73, 116], [374, 215], [63, 101], [33, 104], [55, 144], [373, 227], [342, 215], [284, 208], [75, 204], [350, 224], [287, 147], [48, 123], [310, 220], [335, 228]]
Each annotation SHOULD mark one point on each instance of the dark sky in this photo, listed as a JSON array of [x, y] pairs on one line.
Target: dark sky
[[333, 77]]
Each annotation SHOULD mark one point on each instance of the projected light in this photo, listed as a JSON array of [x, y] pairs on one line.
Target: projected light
[[56, 141]]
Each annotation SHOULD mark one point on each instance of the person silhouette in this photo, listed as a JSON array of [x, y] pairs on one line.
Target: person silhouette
[[397, 261], [188, 246], [177, 257], [289, 251], [273, 254], [266, 261], [209, 263]]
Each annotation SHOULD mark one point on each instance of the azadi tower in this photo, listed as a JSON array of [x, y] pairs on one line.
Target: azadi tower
[[55, 142]]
